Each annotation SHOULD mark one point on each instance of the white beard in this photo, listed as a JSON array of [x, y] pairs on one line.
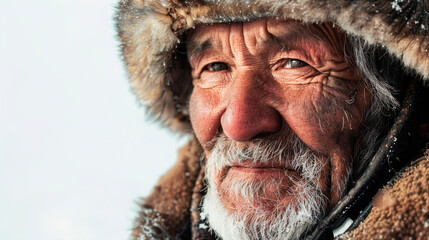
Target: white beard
[[284, 222]]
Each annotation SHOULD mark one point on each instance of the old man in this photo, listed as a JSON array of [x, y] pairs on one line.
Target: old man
[[309, 120]]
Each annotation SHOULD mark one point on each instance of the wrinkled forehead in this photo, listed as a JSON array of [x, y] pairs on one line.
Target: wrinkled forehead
[[267, 32]]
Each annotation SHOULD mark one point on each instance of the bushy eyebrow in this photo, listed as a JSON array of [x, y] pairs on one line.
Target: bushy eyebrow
[[274, 40], [195, 48]]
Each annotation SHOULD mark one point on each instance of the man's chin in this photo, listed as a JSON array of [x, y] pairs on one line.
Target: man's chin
[[239, 217]]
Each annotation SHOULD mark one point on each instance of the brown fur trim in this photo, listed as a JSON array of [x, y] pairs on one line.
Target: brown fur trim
[[400, 211], [150, 32], [166, 211]]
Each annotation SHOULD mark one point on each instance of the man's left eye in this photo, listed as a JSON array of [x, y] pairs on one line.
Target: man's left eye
[[294, 63], [216, 67]]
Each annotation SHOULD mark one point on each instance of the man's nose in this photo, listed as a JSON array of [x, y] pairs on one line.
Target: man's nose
[[248, 113]]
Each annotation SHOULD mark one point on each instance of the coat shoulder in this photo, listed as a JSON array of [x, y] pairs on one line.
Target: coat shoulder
[[165, 212], [401, 211]]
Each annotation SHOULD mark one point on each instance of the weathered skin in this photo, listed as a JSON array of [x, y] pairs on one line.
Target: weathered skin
[[251, 78]]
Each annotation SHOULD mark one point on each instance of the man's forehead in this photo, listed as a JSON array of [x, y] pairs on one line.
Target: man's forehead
[[284, 33]]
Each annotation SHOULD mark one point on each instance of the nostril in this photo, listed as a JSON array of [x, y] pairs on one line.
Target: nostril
[[277, 124], [262, 135], [249, 125]]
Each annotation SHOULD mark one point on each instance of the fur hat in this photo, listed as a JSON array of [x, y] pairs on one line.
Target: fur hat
[[151, 31]]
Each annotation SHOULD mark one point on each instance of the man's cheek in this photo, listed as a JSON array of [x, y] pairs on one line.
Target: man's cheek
[[323, 125], [203, 115]]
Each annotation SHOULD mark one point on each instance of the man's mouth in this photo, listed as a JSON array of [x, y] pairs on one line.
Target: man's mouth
[[251, 164], [259, 171], [267, 182]]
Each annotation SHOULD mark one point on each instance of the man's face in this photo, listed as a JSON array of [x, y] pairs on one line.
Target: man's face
[[265, 92]]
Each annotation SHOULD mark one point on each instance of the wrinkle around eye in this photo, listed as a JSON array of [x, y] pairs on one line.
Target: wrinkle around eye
[[290, 63], [216, 67], [326, 86], [304, 74], [205, 65], [208, 79]]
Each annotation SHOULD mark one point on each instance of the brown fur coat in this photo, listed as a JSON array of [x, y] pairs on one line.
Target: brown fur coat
[[401, 211]]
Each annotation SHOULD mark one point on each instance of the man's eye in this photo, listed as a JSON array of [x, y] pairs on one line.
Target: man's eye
[[216, 66], [294, 63]]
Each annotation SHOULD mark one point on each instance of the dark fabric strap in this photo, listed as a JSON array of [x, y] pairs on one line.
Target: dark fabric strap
[[200, 229]]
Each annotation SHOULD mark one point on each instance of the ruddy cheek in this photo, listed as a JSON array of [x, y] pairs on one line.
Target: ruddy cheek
[[320, 124], [307, 127], [204, 115]]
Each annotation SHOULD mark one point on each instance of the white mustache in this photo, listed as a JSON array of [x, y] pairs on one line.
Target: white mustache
[[285, 150]]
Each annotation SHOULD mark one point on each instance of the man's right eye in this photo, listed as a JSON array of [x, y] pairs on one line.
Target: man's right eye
[[216, 66]]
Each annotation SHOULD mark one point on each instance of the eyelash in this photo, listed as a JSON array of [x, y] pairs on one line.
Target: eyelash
[[210, 65], [290, 61], [284, 62]]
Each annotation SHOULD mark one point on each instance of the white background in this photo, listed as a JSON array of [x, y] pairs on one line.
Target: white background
[[76, 150]]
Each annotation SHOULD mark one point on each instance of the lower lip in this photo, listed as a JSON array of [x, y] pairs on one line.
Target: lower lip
[[262, 172]]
